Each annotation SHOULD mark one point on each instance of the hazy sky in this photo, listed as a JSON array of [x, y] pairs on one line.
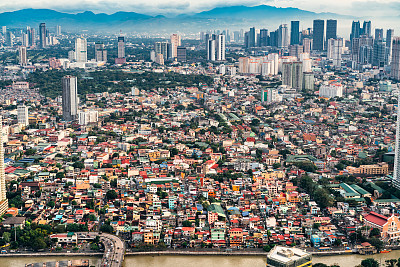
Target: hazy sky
[[347, 7]]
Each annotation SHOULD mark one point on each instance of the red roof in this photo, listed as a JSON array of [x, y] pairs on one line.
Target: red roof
[[376, 218]]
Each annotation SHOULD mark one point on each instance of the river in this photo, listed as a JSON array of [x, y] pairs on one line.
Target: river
[[201, 261]]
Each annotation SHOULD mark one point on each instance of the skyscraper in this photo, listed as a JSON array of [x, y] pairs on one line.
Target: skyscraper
[[211, 50], [163, 49], [283, 36], [396, 169], [3, 190], [263, 37], [331, 29], [181, 54], [9, 39], [318, 35], [121, 51], [42, 35], [22, 56], [175, 42], [379, 56], [378, 34], [32, 37], [334, 49], [307, 45], [295, 32], [69, 98], [366, 30], [252, 37], [395, 74], [58, 30], [23, 115], [80, 50], [220, 47], [100, 52], [389, 40], [355, 30]]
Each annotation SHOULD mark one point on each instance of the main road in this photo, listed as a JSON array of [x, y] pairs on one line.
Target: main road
[[114, 248]]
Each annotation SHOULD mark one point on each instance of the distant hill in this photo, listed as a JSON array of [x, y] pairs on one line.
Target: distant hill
[[233, 16]]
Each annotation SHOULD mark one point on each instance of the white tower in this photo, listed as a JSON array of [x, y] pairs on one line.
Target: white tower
[[3, 198], [396, 171]]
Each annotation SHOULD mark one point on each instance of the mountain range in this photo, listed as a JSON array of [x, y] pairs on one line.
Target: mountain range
[[232, 17]]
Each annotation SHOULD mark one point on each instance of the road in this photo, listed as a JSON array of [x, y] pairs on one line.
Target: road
[[114, 248]]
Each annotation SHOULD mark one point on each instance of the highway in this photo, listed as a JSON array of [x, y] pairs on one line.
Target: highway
[[114, 248]]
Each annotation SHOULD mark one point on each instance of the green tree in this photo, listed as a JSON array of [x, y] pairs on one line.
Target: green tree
[[370, 262], [111, 194]]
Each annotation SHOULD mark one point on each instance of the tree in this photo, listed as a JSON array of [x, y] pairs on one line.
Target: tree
[[38, 243], [375, 232], [111, 194], [79, 165], [276, 165], [7, 237], [391, 262], [186, 224], [51, 204], [107, 228], [370, 262]]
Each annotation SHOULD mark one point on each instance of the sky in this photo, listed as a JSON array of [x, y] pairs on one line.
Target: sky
[[154, 7]]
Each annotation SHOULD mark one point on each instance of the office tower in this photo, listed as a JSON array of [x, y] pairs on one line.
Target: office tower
[[69, 98], [100, 52], [162, 48], [32, 37], [263, 37], [9, 39], [4, 28], [252, 37], [283, 36], [307, 45], [42, 35], [331, 29], [318, 34], [23, 118], [121, 51], [389, 40], [22, 56], [58, 30], [181, 54], [211, 50], [379, 56], [25, 39], [396, 169], [378, 34], [395, 74], [220, 47], [287, 73], [295, 32], [175, 42], [367, 29], [334, 50], [121, 47], [3, 190], [80, 50], [297, 75], [365, 54], [355, 30], [273, 39], [359, 42]]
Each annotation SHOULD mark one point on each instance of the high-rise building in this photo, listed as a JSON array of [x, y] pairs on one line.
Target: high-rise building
[[283, 36], [181, 54], [331, 29], [58, 30], [25, 39], [334, 51], [307, 45], [355, 30], [295, 32], [318, 34], [32, 37], [211, 50], [366, 29], [252, 37], [100, 52], [263, 37], [121, 47], [80, 50], [395, 74], [69, 98], [379, 56], [3, 190], [378, 34], [22, 56], [23, 118], [220, 47], [269, 95], [163, 48], [396, 169], [389, 40], [309, 80], [297, 75], [42, 35], [9, 39], [175, 43], [4, 29]]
